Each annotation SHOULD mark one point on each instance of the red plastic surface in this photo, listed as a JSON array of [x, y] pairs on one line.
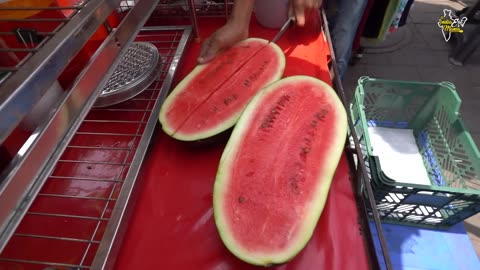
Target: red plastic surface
[[172, 226]]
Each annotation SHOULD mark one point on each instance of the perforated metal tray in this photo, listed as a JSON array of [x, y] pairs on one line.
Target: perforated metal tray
[[137, 70]]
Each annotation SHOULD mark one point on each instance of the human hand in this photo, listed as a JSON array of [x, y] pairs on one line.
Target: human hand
[[223, 38], [301, 9]]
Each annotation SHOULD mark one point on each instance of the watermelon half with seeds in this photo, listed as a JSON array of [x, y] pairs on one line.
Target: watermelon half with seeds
[[276, 170], [210, 99]]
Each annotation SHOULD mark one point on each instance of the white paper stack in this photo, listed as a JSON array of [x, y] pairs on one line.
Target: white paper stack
[[399, 156]]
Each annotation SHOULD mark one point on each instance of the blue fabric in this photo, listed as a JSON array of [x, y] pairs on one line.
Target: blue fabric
[[414, 248], [398, 16], [344, 17]]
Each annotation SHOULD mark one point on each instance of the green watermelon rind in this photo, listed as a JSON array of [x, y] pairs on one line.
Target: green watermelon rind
[[229, 122], [316, 207]]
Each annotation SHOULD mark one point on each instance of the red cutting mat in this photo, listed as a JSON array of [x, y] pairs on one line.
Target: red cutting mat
[[172, 226]]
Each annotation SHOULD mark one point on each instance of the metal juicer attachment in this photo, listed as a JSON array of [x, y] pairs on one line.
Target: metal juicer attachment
[[133, 75]]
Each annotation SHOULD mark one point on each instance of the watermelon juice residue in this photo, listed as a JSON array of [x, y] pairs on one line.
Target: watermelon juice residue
[[268, 202]]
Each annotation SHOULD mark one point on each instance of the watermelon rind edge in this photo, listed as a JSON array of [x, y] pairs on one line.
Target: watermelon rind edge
[[322, 193]]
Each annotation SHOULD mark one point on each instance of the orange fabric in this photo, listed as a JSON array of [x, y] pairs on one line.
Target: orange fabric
[[22, 14]]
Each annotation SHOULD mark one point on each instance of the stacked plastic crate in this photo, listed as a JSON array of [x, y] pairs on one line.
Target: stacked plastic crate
[[423, 164]]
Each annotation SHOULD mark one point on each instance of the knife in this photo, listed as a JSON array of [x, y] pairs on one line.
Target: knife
[[284, 28]]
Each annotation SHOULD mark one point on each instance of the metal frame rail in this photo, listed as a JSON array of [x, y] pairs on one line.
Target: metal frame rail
[[360, 177], [218, 8], [115, 231], [27, 172], [26, 84], [99, 155], [182, 9]]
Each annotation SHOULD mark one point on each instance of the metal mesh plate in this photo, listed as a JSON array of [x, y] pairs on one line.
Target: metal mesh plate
[[134, 74], [66, 225]]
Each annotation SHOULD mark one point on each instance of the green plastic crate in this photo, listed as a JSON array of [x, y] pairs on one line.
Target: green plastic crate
[[450, 156]]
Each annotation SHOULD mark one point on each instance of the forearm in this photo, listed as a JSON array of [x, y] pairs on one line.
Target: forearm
[[242, 11], [235, 30]]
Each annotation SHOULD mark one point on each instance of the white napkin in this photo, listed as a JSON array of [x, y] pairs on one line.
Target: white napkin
[[399, 156]]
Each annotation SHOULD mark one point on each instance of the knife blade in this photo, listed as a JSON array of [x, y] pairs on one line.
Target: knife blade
[[284, 28]]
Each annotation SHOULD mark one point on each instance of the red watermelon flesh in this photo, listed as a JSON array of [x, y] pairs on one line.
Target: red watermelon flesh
[[276, 170], [210, 99]]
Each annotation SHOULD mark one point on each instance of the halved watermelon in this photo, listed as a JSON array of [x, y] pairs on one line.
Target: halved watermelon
[[275, 172], [211, 98]]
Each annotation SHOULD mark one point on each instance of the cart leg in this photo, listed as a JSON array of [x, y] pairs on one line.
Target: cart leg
[[225, 5], [193, 19]]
